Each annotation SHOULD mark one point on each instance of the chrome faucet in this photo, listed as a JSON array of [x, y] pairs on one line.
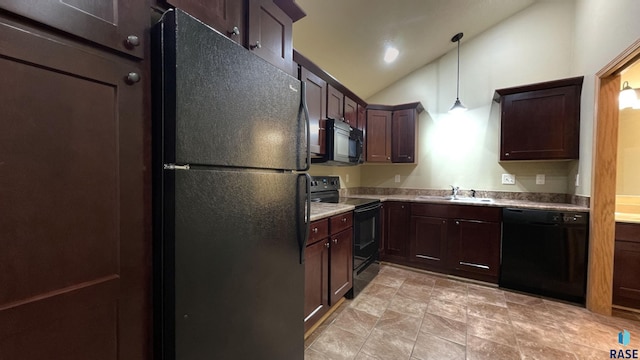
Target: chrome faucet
[[454, 191]]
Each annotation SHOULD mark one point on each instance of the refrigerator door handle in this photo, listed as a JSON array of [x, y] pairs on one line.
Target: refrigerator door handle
[[304, 217], [305, 110]]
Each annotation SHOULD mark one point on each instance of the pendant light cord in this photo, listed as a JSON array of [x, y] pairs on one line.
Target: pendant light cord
[[458, 85]]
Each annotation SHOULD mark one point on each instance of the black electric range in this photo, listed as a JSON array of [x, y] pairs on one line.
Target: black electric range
[[366, 229]]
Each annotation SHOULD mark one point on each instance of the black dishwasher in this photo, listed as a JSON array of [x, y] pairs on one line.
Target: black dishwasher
[[545, 253]]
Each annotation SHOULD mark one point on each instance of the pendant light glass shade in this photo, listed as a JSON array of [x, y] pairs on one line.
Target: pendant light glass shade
[[628, 97], [457, 105]]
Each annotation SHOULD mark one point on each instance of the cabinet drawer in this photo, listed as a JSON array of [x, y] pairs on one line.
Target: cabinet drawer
[[341, 222], [318, 231]]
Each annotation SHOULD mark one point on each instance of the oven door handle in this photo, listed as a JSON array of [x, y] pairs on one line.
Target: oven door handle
[[368, 208]]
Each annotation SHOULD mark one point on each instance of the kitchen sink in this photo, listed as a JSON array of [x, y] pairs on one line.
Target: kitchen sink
[[456, 199]]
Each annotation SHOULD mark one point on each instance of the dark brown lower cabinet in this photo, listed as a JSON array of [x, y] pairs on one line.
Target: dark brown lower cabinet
[[316, 286], [328, 265], [428, 242], [462, 240], [397, 218], [474, 249], [626, 283], [75, 260], [341, 270]]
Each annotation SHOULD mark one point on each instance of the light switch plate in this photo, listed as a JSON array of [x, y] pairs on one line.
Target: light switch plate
[[540, 179], [508, 179]]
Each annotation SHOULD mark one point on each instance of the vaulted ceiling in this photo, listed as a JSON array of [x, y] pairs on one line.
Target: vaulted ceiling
[[347, 38]]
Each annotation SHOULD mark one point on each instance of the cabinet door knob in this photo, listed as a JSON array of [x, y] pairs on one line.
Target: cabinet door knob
[[234, 31], [132, 78], [132, 41], [388, 157], [335, 241], [457, 222], [326, 245], [344, 219], [256, 46], [506, 154], [409, 157]]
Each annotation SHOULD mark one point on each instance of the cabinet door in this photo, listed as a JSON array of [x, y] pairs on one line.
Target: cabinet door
[[106, 22], [428, 242], [541, 125], [350, 112], [396, 236], [75, 259], [403, 136], [362, 124], [270, 34], [341, 268], [335, 104], [317, 105], [226, 16], [626, 284], [475, 249], [316, 282], [378, 136]]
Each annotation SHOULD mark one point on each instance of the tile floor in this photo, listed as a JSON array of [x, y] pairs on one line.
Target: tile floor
[[407, 314]]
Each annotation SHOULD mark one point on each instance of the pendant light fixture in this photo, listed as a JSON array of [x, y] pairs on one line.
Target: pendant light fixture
[[457, 106], [628, 97]]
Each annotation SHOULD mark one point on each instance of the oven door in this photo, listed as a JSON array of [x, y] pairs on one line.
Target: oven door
[[366, 237]]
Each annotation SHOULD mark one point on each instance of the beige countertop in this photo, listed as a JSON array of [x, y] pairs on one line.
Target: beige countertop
[[323, 210], [628, 217], [522, 204]]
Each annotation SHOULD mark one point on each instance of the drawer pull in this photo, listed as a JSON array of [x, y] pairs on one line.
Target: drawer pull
[[344, 220], [474, 265], [315, 230], [335, 241], [427, 257], [326, 245]]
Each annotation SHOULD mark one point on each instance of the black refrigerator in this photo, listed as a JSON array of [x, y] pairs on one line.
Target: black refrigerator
[[230, 198]]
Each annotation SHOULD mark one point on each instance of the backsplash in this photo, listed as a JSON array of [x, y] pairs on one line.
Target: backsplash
[[505, 195]]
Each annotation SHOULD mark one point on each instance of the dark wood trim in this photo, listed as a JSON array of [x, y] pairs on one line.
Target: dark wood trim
[[537, 86], [293, 10], [309, 65]]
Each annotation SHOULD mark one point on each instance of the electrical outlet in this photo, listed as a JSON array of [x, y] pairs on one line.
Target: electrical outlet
[[577, 179], [508, 179], [346, 178], [397, 178], [540, 178]]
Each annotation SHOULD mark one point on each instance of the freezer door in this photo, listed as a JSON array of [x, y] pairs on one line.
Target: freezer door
[[223, 105], [232, 278]]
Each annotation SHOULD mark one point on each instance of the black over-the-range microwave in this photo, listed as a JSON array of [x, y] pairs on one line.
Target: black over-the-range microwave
[[344, 144]]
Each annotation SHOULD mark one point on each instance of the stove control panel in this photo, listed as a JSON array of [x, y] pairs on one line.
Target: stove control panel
[[325, 183]]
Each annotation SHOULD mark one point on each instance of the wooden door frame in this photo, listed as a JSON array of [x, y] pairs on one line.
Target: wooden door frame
[[603, 199]]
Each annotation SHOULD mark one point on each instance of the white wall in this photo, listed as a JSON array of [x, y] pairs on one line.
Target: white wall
[[534, 45], [603, 30]]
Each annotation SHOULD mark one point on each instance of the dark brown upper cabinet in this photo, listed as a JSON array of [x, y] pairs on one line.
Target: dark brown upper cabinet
[[404, 132], [317, 106], [270, 34], [116, 24], [262, 26], [226, 16], [392, 133], [335, 104], [540, 121], [378, 138], [350, 112], [362, 125]]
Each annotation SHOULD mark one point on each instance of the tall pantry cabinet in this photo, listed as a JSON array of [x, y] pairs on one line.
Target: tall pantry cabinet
[[74, 180]]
